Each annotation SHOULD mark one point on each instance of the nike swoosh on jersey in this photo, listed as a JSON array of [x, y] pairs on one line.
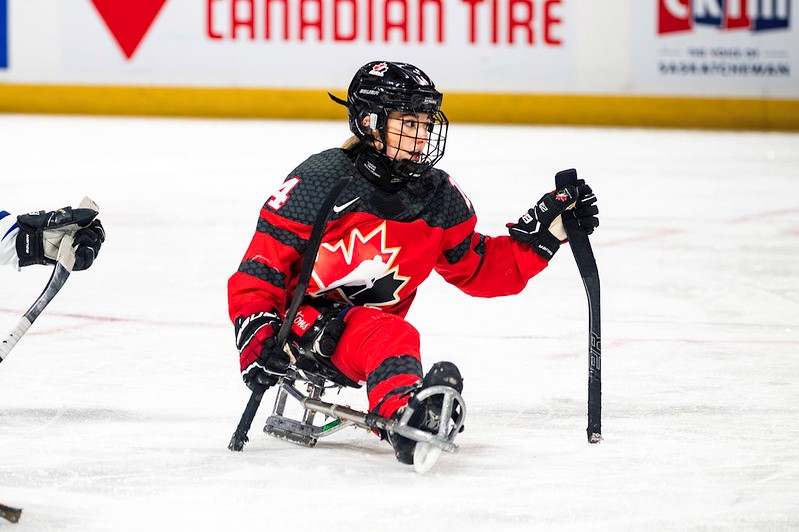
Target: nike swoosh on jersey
[[338, 208]]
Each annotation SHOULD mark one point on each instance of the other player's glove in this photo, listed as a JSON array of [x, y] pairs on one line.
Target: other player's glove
[[40, 235], [586, 210], [534, 227], [318, 328], [262, 363]]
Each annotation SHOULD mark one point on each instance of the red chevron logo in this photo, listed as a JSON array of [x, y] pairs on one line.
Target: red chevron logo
[[128, 20]]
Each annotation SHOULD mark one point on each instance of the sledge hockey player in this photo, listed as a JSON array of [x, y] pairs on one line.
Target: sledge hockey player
[[34, 238], [399, 219]]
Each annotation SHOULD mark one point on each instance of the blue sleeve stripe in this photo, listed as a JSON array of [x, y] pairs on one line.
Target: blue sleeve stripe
[[3, 214]]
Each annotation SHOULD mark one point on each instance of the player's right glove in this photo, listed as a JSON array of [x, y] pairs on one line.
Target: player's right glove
[[534, 227], [586, 210], [40, 235], [261, 362]]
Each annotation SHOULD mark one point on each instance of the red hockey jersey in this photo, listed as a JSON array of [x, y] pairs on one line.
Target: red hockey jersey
[[378, 246]]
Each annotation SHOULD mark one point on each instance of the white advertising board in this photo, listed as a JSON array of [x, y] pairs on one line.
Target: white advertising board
[[689, 63], [716, 48], [470, 45]]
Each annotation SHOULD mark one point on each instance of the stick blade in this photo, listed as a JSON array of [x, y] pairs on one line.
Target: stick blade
[[88, 203]]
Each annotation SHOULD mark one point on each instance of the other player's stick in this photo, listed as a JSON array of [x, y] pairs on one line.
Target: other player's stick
[[311, 249], [9, 513], [586, 263], [65, 261]]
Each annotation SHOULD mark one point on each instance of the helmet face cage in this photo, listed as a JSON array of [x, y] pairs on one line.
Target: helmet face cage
[[380, 88], [402, 135]]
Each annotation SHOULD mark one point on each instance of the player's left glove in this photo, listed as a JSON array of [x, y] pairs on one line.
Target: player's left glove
[[40, 235], [534, 227]]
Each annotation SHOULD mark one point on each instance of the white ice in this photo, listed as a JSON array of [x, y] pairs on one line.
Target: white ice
[[116, 408]]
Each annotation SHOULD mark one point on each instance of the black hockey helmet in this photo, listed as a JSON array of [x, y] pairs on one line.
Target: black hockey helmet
[[377, 89]]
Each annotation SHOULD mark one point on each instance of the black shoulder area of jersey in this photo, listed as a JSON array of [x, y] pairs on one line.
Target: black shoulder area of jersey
[[317, 175], [444, 204], [434, 198]]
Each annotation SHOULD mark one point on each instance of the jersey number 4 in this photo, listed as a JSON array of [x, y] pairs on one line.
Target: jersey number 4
[[280, 197]]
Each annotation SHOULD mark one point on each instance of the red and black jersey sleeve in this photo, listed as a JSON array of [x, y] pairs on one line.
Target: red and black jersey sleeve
[[264, 276], [480, 265]]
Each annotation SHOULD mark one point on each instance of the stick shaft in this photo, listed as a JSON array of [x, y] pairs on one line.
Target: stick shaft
[[57, 279]]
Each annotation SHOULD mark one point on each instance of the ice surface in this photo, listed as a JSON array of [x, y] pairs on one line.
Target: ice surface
[[117, 406]]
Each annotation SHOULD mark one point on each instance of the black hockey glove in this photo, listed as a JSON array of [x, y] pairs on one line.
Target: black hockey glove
[[534, 227], [261, 362], [586, 210], [87, 245], [318, 328], [40, 235]]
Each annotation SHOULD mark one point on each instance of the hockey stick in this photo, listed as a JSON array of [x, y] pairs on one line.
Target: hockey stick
[[586, 263], [311, 249], [65, 261], [9, 513]]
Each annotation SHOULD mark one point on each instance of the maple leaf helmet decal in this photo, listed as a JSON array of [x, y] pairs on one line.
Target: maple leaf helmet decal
[[377, 89]]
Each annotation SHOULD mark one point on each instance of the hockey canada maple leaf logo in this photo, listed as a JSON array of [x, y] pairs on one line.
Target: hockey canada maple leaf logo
[[361, 268], [562, 196], [128, 20]]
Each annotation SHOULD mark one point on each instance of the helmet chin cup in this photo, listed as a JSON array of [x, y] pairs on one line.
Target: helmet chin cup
[[377, 169], [409, 170]]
